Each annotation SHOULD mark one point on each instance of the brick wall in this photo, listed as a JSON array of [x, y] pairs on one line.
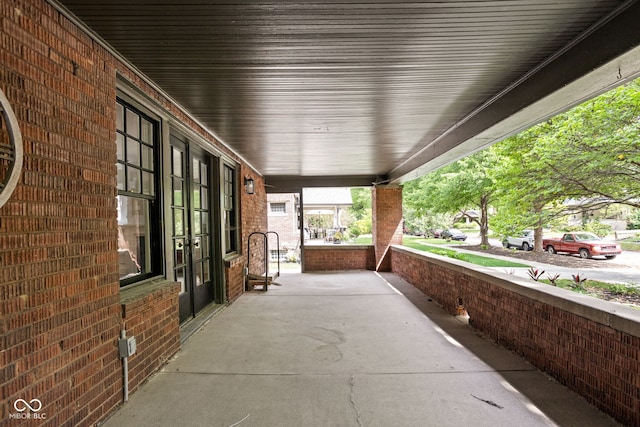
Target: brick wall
[[152, 318], [386, 203], [591, 346], [60, 299], [59, 287], [254, 218], [285, 224], [339, 257]]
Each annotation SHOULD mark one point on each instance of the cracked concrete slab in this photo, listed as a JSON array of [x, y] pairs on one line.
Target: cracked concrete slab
[[345, 349]]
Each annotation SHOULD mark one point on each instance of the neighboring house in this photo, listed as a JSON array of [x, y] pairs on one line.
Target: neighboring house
[[282, 214], [284, 209], [584, 210]]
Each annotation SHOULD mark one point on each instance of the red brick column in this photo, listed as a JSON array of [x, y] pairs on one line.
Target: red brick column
[[386, 203]]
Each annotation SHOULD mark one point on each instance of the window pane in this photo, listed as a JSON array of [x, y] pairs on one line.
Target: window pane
[[147, 183], [120, 117], [147, 157], [121, 177], [146, 131], [120, 146], [278, 207], [133, 152], [133, 180], [134, 236], [133, 124]]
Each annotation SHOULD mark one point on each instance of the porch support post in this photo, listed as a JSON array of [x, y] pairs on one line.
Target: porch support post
[[386, 204]]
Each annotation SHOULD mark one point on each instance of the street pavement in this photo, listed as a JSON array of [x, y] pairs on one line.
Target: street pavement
[[629, 275]]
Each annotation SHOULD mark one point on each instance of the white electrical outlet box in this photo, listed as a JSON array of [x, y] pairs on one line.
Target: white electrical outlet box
[[127, 346]]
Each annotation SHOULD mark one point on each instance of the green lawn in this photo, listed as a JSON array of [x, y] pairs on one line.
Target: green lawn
[[451, 253], [630, 244], [365, 239]]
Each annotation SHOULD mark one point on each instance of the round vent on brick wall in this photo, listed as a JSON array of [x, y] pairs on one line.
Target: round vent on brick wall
[[10, 150]]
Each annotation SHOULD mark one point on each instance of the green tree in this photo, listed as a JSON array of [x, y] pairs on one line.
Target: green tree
[[595, 151], [458, 188], [361, 202], [361, 211], [590, 155]]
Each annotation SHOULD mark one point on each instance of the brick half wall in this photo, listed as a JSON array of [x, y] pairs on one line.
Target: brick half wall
[[150, 314], [339, 257], [590, 346]]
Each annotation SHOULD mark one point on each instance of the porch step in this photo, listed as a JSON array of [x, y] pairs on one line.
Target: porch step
[[254, 280]]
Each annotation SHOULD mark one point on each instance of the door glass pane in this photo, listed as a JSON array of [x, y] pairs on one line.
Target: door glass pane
[[204, 200], [196, 198], [178, 192], [196, 171], [205, 223], [178, 222], [197, 249], [198, 274], [203, 174], [204, 245], [206, 276], [179, 277], [179, 252], [196, 223]]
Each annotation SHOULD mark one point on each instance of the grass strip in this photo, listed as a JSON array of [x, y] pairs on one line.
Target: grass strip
[[471, 258]]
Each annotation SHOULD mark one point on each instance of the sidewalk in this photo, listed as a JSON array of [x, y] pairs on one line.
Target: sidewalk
[[347, 349]]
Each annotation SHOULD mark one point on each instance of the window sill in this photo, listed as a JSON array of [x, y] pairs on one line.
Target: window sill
[[232, 260], [139, 291]]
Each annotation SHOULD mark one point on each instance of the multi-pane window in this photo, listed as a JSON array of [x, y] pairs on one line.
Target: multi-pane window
[[278, 208], [138, 207], [230, 210]]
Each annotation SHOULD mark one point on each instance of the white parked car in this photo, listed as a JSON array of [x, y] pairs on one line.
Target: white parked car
[[523, 241]]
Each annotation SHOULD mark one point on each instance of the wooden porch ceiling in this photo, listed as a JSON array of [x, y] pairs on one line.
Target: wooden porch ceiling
[[348, 93]]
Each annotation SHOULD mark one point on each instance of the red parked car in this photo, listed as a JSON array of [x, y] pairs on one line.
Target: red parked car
[[585, 244]]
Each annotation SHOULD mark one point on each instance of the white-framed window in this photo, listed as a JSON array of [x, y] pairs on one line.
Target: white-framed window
[[278, 208]]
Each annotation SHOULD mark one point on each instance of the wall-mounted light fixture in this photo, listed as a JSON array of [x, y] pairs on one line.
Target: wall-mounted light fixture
[[249, 185]]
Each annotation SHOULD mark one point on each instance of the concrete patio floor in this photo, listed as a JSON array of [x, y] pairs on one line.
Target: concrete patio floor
[[347, 349]]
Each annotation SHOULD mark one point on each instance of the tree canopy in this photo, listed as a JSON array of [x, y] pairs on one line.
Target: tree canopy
[[585, 158]]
